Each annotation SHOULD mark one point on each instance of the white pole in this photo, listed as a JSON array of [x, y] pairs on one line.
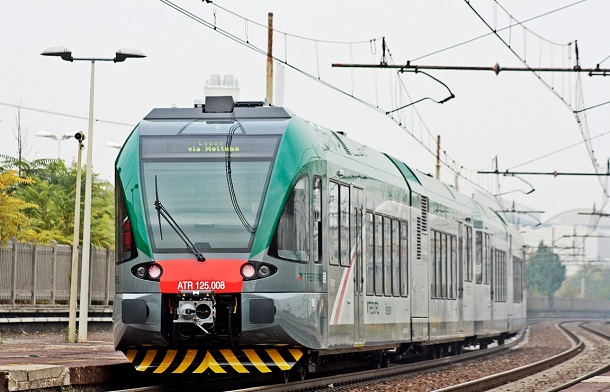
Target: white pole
[[74, 272], [84, 285]]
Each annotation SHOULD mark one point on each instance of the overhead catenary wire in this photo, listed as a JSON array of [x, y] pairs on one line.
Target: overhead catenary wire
[[510, 25], [261, 51], [451, 164], [556, 151], [69, 115], [580, 116]]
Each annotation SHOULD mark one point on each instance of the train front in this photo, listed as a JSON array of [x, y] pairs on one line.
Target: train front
[[190, 190]]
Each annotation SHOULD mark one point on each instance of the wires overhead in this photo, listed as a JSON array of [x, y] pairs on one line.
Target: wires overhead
[[395, 84], [575, 103], [21, 107], [501, 29], [400, 106]]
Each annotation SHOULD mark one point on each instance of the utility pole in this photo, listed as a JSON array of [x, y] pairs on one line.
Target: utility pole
[[270, 58], [438, 157]]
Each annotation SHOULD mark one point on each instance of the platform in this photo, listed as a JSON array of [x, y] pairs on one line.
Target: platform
[[38, 360]]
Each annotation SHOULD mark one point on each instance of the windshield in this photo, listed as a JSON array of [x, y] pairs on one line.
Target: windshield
[[214, 195]]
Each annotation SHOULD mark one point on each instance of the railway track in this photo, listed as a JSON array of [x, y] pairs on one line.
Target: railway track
[[343, 380], [593, 359], [590, 347]]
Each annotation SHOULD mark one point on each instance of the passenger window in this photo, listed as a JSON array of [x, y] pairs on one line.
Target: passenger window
[[333, 222], [395, 257], [404, 259], [378, 255], [468, 254], [317, 219], [387, 256], [344, 246], [478, 266], [370, 254], [292, 235]]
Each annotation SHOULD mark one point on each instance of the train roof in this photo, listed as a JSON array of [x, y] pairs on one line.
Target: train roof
[[224, 108], [221, 108]]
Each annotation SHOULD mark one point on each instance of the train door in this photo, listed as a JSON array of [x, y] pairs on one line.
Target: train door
[[491, 270], [420, 277], [357, 241], [467, 296], [460, 278]]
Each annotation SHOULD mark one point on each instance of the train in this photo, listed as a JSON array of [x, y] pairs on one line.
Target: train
[[250, 240]]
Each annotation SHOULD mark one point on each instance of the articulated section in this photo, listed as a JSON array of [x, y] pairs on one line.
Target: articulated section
[[242, 361]]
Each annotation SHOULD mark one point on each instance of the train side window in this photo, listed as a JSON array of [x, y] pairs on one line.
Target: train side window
[[500, 276], [468, 254], [433, 269], [404, 259], [445, 266], [370, 254], [487, 256], [517, 280], [378, 254], [344, 245], [317, 219], [387, 256], [292, 237], [438, 261], [504, 277], [395, 257], [453, 268], [125, 248], [478, 266], [333, 222]]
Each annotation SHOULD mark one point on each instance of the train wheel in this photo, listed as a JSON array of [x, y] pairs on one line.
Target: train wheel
[[300, 372], [385, 361], [297, 373], [284, 376], [381, 361]]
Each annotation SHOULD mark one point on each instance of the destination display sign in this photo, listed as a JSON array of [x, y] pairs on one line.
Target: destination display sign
[[208, 146]]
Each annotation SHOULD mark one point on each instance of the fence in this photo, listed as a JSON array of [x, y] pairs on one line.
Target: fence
[[577, 307], [40, 274]]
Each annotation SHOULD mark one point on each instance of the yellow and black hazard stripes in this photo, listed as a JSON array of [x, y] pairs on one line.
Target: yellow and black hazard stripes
[[247, 360]]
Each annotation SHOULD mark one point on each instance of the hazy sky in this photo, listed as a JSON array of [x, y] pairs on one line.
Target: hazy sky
[[526, 123]]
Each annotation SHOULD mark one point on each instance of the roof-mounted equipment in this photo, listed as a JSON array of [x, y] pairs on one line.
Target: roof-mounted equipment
[[219, 104]]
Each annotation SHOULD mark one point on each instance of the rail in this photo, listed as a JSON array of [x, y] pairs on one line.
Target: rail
[[498, 379]]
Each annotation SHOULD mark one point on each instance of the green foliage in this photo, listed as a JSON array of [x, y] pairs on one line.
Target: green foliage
[[544, 272], [595, 284], [13, 219], [48, 197]]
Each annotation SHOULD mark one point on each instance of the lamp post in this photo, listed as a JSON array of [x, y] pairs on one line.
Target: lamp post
[[79, 136], [66, 54], [55, 136]]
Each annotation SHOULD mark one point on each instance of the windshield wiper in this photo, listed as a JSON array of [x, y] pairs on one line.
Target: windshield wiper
[[230, 187], [162, 212]]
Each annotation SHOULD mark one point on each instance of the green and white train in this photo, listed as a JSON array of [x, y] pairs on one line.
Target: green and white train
[[252, 240]]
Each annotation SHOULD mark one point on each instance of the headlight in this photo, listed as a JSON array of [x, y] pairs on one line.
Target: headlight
[[247, 271], [257, 270], [148, 271]]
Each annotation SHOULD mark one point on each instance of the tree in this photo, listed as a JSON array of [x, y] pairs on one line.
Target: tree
[[50, 193], [544, 272], [13, 221]]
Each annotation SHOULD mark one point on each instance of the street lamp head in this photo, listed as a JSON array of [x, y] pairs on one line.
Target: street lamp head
[[47, 135], [125, 53], [113, 145], [61, 51]]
